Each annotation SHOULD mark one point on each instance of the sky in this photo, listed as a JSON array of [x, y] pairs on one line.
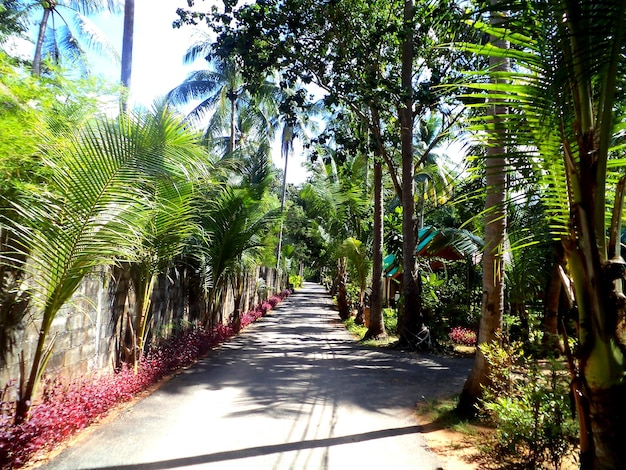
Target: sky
[[158, 48]]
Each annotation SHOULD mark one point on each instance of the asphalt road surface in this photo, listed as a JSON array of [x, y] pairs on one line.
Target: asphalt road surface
[[293, 391]]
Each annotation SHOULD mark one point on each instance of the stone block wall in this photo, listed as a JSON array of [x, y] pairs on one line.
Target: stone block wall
[[87, 331]]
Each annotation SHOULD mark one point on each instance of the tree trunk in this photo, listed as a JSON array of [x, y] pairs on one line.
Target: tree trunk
[[342, 293], [608, 414], [40, 39], [42, 354], [127, 49], [495, 224], [232, 96], [283, 196], [412, 317], [550, 341], [376, 328]]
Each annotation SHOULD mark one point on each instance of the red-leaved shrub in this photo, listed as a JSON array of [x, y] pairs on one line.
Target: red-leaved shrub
[[464, 336], [67, 408]]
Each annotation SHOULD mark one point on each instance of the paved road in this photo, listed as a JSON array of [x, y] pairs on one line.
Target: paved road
[[293, 391]]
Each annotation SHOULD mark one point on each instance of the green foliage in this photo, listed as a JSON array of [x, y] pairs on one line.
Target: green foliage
[[357, 330], [36, 118], [12, 18], [295, 280], [66, 32], [390, 318], [30, 109], [94, 211], [529, 403]]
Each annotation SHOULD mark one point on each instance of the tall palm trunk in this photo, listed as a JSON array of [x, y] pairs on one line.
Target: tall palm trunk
[[40, 39], [283, 195], [376, 324], [127, 48], [412, 315], [232, 96], [492, 308]]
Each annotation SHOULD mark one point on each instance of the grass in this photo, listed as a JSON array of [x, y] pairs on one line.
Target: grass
[[440, 411], [358, 331]]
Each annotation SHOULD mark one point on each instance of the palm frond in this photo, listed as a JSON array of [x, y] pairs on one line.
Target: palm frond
[[94, 39]]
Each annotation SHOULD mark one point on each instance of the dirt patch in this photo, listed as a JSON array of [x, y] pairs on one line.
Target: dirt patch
[[456, 448], [459, 445]]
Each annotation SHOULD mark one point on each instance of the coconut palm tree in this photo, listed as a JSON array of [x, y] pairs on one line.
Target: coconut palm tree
[[65, 38], [223, 98], [569, 59]]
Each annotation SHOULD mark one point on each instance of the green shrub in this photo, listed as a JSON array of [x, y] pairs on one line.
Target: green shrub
[[390, 318], [530, 407], [295, 281]]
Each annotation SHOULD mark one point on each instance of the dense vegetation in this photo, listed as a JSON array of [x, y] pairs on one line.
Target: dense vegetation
[[466, 174]]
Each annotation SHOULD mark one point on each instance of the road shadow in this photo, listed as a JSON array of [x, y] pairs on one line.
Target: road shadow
[[301, 353], [266, 450]]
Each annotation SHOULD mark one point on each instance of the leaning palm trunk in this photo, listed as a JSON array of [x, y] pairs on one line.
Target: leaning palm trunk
[[40, 40]]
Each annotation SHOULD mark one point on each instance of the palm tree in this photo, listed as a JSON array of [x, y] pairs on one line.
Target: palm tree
[[234, 220], [170, 223], [221, 92], [569, 57], [65, 39], [91, 215], [492, 307]]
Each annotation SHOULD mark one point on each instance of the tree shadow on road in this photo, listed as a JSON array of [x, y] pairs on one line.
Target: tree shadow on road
[[270, 449]]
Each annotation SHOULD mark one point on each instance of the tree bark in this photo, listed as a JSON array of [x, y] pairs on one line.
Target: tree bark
[[495, 224], [342, 293], [127, 49], [40, 39], [376, 328], [551, 339], [607, 411], [412, 316]]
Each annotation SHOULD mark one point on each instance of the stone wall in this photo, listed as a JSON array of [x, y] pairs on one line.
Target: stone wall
[[87, 331]]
